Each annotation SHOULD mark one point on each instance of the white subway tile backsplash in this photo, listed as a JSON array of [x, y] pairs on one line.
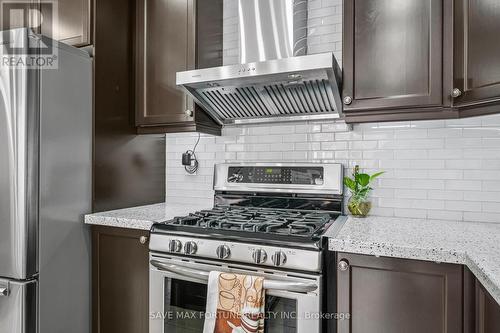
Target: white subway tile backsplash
[[438, 169], [295, 138], [444, 133], [466, 206], [309, 145], [445, 154], [481, 174], [445, 215], [463, 143], [410, 194], [378, 154], [490, 142], [411, 134], [490, 165], [282, 147], [411, 213], [333, 145], [481, 132], [492, 185], [348, 136], [321, 137], [395, 203], [491, 207], [335, 127], [297, 156], [445, 195], [482, 196], [482, 217], [363, 145], [481, 153], [428, 204], [379, 135], [411, 154], [463, 185], [463, 164], [446, 174], [493, 120]]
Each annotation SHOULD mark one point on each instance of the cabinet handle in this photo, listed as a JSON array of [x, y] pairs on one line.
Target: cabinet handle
[[456, 93], [343, 265], [347, 100], [143, 240], [188, 113]]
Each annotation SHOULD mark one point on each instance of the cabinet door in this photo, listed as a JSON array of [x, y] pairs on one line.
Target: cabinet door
[[120, 269], [477, 51], [166, 45], [487, 311], [20, 14], [388, 295], [72, 22], [392, 54]]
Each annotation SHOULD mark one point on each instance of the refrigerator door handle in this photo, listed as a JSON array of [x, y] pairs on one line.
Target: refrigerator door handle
[[18, 306]]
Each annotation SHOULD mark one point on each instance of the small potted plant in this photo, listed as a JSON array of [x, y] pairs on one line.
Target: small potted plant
[[359, 204]]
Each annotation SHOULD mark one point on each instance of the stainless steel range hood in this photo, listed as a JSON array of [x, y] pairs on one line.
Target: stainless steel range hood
[[275, 81]]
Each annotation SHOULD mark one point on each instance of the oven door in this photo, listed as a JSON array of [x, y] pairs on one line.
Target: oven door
[[178, 296]]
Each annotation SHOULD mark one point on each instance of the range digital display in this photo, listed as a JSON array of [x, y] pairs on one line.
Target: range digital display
[[273, 171]]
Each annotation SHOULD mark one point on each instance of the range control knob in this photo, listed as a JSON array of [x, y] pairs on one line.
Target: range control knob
[[259, 256], [175, 246], [278, 258], [190, 247], [223, 252]]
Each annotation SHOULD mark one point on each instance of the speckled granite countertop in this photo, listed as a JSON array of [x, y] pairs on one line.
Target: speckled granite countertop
[[141, 217], [476, 245]]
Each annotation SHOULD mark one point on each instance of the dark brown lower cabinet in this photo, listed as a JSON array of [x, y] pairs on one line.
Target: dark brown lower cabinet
[[481, 311], [120, 280], [487, 311], [390, 295]]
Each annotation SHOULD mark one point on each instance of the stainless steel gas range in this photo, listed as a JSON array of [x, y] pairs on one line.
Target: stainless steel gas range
[[268, 220]]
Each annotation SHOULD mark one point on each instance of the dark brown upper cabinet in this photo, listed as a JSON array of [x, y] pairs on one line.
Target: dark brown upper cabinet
[[173, 36], [393, 295], [68, 21], [420, 59], [477, 52], [72, 21], [392, 54]]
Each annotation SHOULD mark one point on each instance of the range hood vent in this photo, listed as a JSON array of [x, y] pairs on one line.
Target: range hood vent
[[290, 88]]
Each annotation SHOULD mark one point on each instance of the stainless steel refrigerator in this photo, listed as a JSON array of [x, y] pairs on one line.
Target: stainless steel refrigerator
[[45, 189]]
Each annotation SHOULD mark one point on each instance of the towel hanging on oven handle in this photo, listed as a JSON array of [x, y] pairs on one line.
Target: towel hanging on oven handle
[[297, 287]]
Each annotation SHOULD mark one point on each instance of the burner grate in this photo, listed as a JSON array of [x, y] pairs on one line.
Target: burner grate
[[256, 220]]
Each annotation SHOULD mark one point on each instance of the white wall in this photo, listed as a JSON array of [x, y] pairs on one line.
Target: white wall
[[434, 169]]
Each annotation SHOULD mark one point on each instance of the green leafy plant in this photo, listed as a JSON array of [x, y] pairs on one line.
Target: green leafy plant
[[359, 184]]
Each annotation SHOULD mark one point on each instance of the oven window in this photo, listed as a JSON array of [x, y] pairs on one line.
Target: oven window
[[281, 315], [185, 306]]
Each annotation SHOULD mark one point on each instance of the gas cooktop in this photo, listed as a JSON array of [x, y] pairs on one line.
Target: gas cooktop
[[252, 222]]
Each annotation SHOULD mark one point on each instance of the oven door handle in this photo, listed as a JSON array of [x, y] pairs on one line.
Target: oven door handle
[[297, 287]]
